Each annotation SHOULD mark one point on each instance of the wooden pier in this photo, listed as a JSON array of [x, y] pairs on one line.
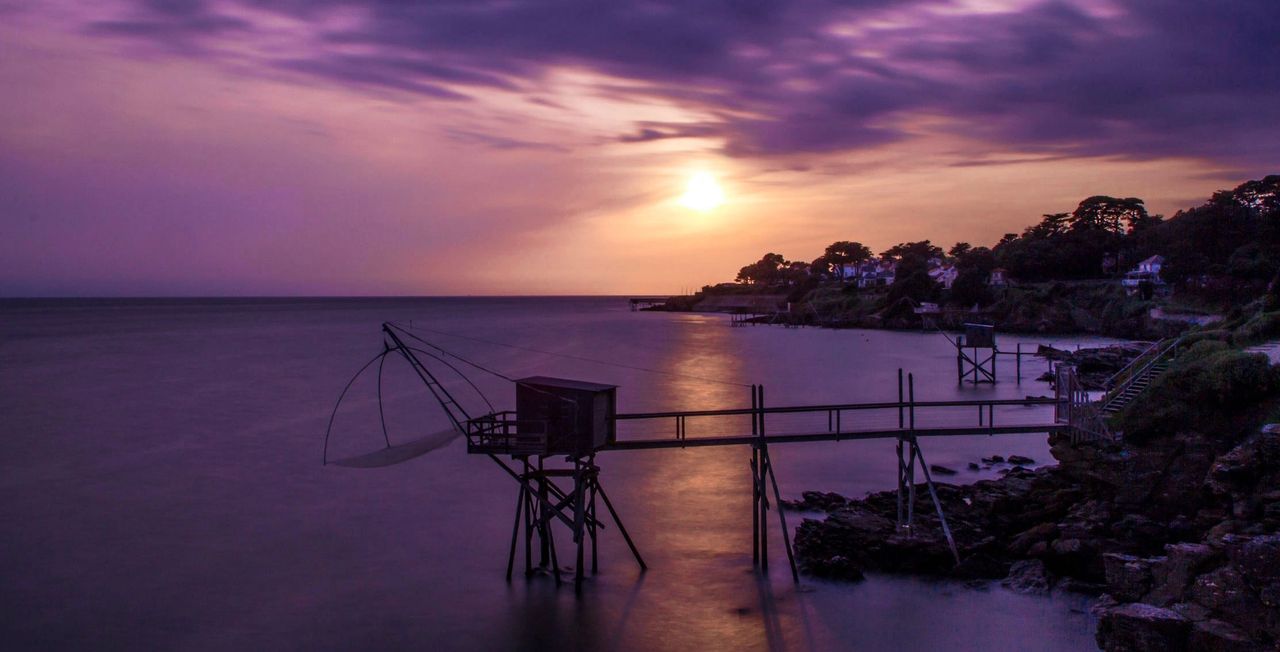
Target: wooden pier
[[574, 420]]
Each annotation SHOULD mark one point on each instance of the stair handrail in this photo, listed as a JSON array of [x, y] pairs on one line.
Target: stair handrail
[[1128, 368], [1128, 382]]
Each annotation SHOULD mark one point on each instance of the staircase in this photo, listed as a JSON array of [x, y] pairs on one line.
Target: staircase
[[1130, 383], [1118, 401]]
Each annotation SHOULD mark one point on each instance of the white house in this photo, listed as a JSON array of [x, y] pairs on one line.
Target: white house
[[1146, 271], [999, 277], [944, 275], [869, 274], [1151, 265]]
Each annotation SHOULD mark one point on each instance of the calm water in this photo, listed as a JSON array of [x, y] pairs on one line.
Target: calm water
[[161, 485]]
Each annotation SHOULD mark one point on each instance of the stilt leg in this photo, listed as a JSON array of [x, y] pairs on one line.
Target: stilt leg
[[515, 532], [529, 516], [902, 482], [937, 504], [593, 525], [755, 507], [621, 528], [911, 485], [579, 521], [782, 518], [764, 511]]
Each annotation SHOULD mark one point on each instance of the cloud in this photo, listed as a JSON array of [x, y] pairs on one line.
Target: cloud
[[500, 142], [1129, 78]]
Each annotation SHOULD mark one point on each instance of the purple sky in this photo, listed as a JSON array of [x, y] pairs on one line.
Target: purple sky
[[358, 147]]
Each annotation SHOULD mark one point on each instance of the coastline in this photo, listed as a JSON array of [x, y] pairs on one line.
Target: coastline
[[1176, 528]]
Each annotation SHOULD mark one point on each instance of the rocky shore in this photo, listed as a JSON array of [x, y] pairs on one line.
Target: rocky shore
[[1094, 366], [1180, 537]]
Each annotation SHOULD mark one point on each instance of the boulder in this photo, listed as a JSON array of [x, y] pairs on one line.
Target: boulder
[[817, 501], [1043, 532], [1224, 592], [941, 470], [1128, 577], [1218, 636], [1020, 460], [1138, 627], [835, 567], [1028, 576], [1258, 559], [1172, 575]]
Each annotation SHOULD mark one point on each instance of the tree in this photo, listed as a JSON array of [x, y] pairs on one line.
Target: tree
[[980, 259], [1050, 225], [845, 252], [970, 287], [923, 250], [959, 249], [1108, 214], [765, 271]]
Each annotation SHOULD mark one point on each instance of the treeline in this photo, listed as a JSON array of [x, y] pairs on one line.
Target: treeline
[[1227, 249]]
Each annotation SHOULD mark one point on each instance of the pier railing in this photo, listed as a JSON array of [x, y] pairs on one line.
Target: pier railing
[[840, 421]]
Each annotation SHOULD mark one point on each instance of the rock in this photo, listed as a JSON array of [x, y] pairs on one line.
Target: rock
[[994, 459], [980, 566], [1170, 576], [1128, 577], [1138, 627], [1224, 592], [1020, 460], [1218, 636], [973, 466], [1075, 557], [1073, 585], [835, 567], [941, 470], [1258, 559], [1192, 611], [816, 501], [1041, 533], [1028, 576]]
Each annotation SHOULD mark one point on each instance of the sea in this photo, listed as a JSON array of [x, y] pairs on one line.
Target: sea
[[162, 484]]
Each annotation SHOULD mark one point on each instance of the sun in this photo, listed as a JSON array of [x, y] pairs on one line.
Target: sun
[[703, 193]]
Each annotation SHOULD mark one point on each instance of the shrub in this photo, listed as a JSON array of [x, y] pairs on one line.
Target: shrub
[[1205, 389], [1263, 326]]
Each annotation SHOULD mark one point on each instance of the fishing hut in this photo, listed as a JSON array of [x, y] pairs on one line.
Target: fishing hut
[[978, 365], [977, 353]]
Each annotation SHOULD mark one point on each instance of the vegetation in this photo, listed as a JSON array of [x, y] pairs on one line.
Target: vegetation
[[1210, 388], [1221, 256]]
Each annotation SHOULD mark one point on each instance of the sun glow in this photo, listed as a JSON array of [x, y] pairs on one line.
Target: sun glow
[[703, 193]]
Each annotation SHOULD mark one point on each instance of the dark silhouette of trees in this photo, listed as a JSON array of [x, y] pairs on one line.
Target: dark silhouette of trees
[[839, 253], [911, 278], [766, 271], [974, 269], [1109, 214], [1227, 248]]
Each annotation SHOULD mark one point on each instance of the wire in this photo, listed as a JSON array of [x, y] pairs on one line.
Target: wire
[[553, 353], [481, 367], [460, 375], [325, 456]]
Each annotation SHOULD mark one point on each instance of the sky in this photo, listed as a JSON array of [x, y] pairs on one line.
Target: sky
[[361, 147]]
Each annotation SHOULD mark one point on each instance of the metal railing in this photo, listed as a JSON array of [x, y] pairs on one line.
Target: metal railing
[[1138, 369], [839, 425], [502, 433]]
